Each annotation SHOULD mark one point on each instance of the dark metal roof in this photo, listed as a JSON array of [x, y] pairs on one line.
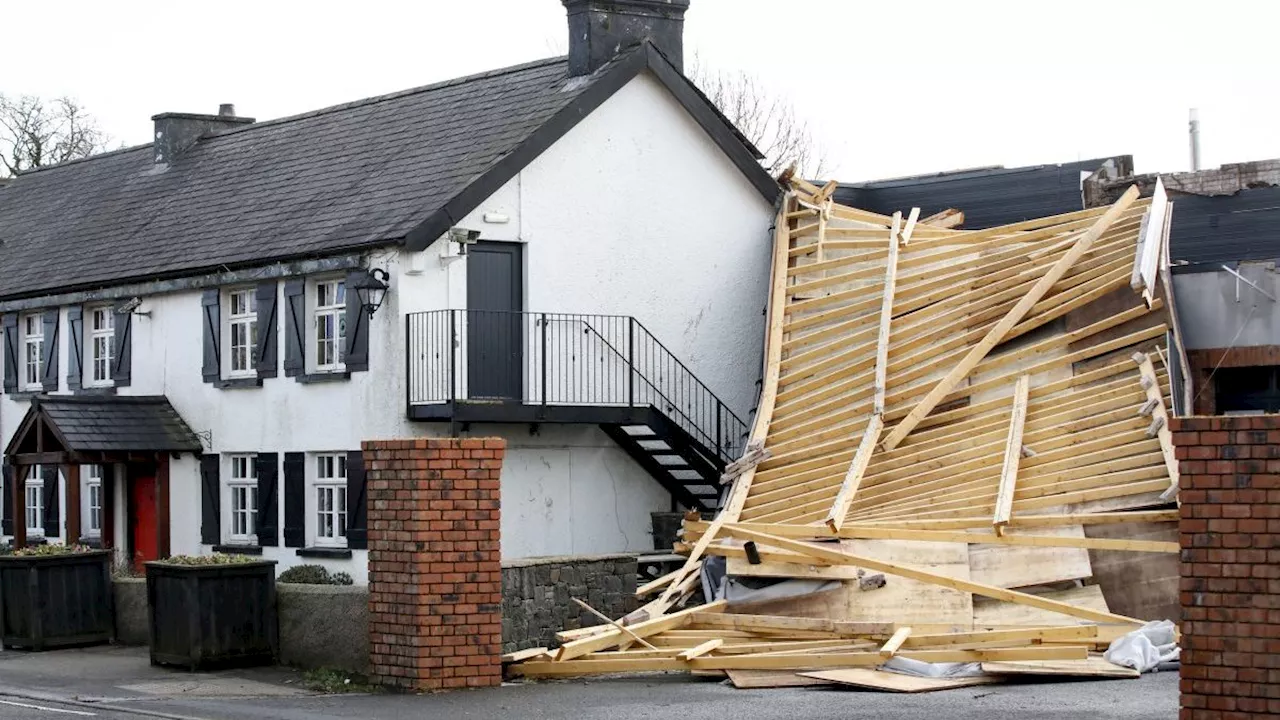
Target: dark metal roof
[[1209, 231], [372, 172], [114, 423], [987, 196]]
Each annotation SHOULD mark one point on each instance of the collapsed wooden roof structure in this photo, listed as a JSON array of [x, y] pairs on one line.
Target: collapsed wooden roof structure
[[952, 409]]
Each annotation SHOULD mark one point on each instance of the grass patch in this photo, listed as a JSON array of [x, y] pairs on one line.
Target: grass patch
[[329, 680]]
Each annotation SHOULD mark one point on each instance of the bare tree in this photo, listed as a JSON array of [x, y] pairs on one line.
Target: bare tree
[[35, 132], [768, 120]]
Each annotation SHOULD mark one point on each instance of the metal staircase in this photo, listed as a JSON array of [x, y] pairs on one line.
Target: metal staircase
[[468, 366]]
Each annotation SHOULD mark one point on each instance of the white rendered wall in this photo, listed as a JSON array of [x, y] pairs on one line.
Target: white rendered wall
[[634, 212]]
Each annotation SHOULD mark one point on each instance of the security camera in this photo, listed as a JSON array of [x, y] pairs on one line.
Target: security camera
[[129, 306], [463, 237]]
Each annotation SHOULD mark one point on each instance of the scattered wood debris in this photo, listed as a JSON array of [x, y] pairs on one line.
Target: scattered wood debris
[[944, 412]]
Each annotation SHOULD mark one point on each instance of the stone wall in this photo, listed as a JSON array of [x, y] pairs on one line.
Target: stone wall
[[435, 566], [536, 595], [1230, 587]]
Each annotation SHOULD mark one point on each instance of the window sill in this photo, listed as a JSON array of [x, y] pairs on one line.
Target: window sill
[[335, 553], [238, 549], [94, 542], [36, 540], [24, 394], [323, 377], [240, 383], [96, 390]]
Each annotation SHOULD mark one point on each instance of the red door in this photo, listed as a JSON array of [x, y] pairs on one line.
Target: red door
[[142, 523]]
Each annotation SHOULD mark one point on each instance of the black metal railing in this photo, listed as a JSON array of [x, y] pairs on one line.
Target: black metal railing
[[561, 359]]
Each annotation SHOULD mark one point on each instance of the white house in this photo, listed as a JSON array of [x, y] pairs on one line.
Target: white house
[[571, 254]]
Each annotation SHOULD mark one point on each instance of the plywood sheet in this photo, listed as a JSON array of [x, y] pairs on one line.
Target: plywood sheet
[[901, 600], [747, 679], [987, 611], [1010, 566], [740, 567], [1094, 666], [1141, 585], [896, 682]]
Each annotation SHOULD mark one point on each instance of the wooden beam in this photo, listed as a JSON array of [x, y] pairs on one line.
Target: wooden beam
[[614, 637], [1012, 318], [522, 655], [886, 315], [1065, 633], [949, 218], [612, 622], [1012, 454], [1155, 396], [1013, 596], [700, 650], [892, 644], [782, 624], [71, 473], [853, 478], [655, 585]]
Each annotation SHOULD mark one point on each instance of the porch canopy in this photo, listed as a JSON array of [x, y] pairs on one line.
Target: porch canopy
[[69, 431]]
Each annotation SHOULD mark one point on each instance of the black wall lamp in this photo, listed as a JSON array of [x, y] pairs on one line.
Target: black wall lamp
[[372, 290]]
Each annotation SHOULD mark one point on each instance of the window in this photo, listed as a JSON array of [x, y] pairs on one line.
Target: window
[[1243, 390], [244, 499], [331, 500], [93, 502], [102, 330], [330, 324], [242, 326], [33, 352], [35, 502]]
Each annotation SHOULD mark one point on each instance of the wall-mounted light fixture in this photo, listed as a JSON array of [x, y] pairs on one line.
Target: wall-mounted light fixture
[[463, 237], [372, 290]]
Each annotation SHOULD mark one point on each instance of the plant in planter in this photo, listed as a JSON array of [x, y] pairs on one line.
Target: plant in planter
[[55, 596], [212, 611]]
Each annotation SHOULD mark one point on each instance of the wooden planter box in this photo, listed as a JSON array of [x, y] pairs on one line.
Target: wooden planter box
[[53, 601], [211, 616]]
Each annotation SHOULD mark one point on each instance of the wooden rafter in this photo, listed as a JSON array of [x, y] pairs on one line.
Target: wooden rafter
[[1012, 453]]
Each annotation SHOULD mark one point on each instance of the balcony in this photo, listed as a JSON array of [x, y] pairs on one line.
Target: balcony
[[478, 366]]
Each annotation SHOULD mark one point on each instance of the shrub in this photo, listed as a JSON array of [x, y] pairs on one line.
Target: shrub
[[341, 578], [47, 550], [305, 575], [214, 559]]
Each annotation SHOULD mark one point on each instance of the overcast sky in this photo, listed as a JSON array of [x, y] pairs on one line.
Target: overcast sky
[[890, 88]]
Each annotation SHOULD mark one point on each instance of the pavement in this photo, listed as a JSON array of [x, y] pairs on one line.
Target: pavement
[[112, 683]]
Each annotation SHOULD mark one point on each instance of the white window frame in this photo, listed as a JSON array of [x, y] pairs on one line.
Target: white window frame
[[92, 511], [241, 312], [242, 484], [100, 347], [34, 488], [32, 344], [330, 317], [328, 499]]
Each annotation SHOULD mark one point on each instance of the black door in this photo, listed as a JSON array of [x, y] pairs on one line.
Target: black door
[[495, 340]]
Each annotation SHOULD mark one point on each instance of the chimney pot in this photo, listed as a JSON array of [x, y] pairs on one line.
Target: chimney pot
[[601, 29], [227, 110]]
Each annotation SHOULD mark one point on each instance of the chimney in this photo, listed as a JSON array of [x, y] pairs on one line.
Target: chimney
[[175, 132], [601, 29]]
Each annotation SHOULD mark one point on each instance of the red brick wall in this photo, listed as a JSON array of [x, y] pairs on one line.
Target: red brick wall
[[435, 568], [1230, 587]]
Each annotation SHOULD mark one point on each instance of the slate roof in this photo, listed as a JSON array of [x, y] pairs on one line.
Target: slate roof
[[137, 423], [344, 177], [399, 168], [1208, 231], [988, 196]]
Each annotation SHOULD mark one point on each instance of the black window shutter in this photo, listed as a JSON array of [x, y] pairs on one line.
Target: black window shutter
[[122, 360], [295, 323], [210, 500], [10, 323], [75, 341], [295, 499], [268, 513], [357, 516], [50, 379], [268, 337], [6, 503], [357, 350], [52, 518], [212, 321]]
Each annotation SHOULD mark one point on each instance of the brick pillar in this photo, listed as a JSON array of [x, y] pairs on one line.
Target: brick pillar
[[435, 568], [1230, 586]]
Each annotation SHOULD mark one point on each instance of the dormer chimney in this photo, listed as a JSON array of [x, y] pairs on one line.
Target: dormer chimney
[[601, 29], [175, 132]]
